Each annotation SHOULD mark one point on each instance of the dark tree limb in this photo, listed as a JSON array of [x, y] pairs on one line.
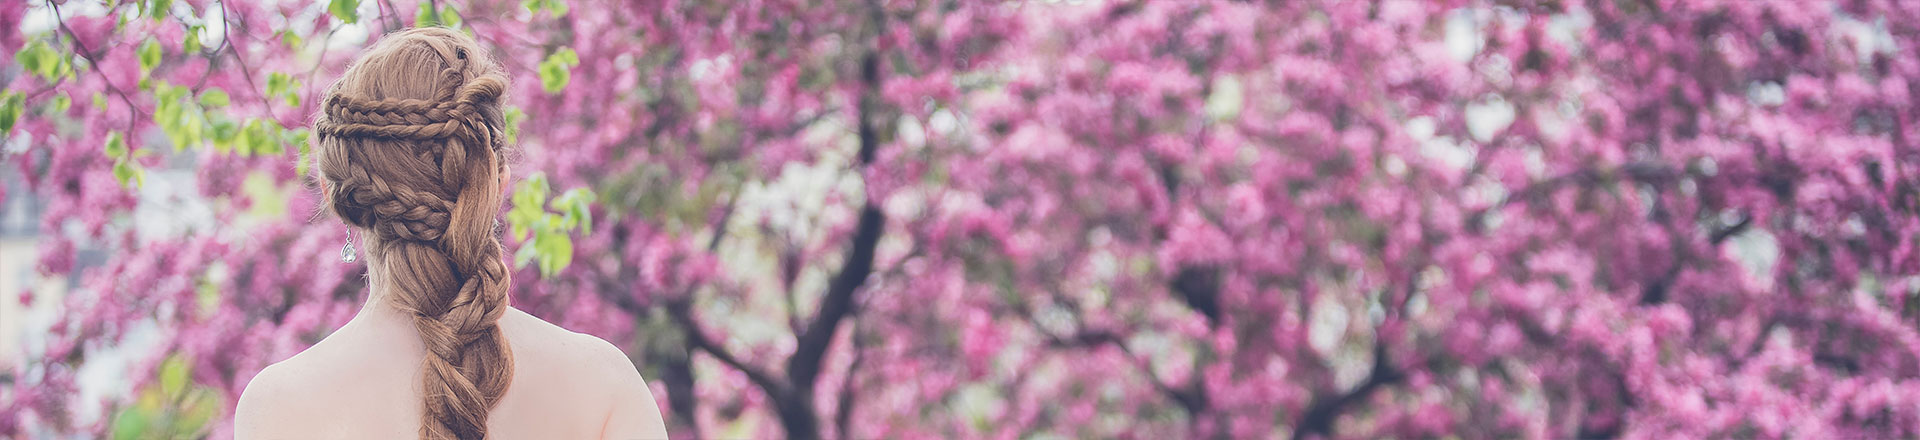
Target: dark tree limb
[[1191, 396], [1609, 430], [1323, 411], [1723, 234], [1318, 420], [1199, 287], [803, 369], [682, 314], [1656, 292], [838, 302], [677, 373], [1647, 172], [843, 412]]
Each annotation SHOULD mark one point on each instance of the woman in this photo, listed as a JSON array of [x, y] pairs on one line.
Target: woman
[[410, 148]]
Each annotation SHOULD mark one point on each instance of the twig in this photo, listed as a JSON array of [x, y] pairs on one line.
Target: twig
[[321, 58], [133, 112], [225, 17]]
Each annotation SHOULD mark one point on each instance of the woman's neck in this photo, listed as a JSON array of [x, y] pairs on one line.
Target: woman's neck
[[379, 310]]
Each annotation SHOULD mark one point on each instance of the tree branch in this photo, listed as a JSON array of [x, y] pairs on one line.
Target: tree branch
[[843, 413], [697, 338], [1187, 397], [1320, 415], [678, 371], [1649, 172], [1656, 291], [678, 375], [133, 112], [838, 302], [803, 369], [1723, 234]]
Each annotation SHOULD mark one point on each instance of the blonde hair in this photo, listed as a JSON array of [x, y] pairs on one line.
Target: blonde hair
[[410, 143]]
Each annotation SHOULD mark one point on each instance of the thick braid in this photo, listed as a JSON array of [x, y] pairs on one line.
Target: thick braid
[[411, 118], [420, 175]]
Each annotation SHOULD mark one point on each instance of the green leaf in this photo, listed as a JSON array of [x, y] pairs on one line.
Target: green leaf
[[525, 255], [551, 246], [127, 173], [297, 136], [346, 10], [116, 146], [42, 60], [174, 375], [559, 254], [149, 54], [556, 72], [533, 191], [242, 140], [11, 105], [554, 76], [426, 16], [271, 137], [577, 205], [450, 17], [30, 58], [157, 9], [214, 98], [513, 118], [555, 251], [129, 424], [292, 40], [200, 406], [193, 129], [521, 222], [100, 102], [192, 45], [557, 7], [300, 162], [283, 85], [259, 136], [224, 133], [61, 103]]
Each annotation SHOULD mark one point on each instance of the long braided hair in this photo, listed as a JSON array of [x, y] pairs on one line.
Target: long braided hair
[[410, 144]]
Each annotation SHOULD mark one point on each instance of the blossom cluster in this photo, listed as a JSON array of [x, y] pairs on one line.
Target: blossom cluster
[[1125, 219]]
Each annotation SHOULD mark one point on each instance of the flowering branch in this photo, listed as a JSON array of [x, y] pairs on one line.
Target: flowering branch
[[812, 344]]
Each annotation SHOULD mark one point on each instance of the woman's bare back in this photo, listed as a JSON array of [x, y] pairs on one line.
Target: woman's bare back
[[363, 381]]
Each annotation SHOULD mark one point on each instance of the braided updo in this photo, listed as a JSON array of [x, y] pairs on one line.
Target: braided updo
[[410, 144]]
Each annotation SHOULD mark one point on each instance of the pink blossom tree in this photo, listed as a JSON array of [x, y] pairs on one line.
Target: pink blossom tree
[[885, 219]]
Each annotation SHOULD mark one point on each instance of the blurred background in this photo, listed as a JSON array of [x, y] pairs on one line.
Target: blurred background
[[1048, 219]]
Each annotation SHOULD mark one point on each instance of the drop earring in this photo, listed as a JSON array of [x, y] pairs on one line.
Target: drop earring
[[346, 252]]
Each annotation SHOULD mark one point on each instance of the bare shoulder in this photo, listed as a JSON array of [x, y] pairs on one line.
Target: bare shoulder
[[592, 364], [353, 373], [271, 406], [551, 346]]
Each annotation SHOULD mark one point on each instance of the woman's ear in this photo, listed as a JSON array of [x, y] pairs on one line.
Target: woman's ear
[[506, 177]]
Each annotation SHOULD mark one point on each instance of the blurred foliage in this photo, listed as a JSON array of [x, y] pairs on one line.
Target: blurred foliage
[[170, 406]]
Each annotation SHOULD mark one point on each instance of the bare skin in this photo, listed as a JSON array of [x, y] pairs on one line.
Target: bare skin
[[362, 382]]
